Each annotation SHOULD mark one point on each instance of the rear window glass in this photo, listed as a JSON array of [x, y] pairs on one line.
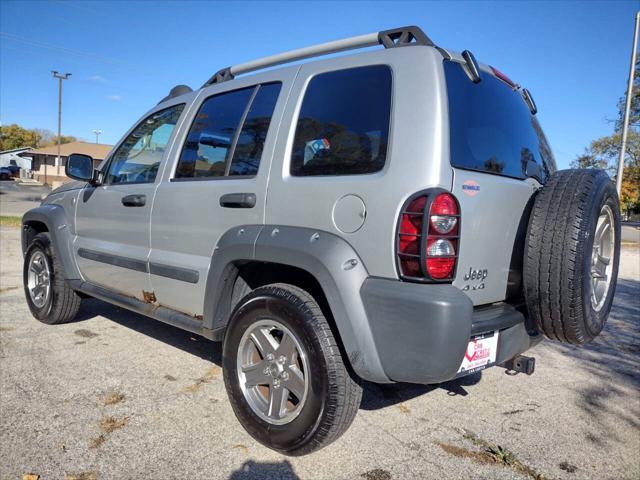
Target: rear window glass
[[343, 126], [491, 128]]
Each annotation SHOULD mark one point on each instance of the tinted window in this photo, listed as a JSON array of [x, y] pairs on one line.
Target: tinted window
[[343, 126], [138, 158], [246, 157], [208, 144], [209, 148], [491, 128]]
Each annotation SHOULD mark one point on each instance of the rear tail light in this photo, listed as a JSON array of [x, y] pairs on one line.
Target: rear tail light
[[428, 237]]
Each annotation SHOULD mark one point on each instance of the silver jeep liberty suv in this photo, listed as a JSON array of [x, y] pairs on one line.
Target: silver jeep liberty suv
[[391, 215]]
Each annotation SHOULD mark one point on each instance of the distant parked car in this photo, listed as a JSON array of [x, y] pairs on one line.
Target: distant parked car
[[14, 169], [5, 173]]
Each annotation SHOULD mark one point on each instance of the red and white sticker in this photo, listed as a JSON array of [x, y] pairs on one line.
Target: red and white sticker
[[481, 351], [471, 188]]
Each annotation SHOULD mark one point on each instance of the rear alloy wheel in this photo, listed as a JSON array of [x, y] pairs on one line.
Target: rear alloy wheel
[[271, 369], [284, 373]]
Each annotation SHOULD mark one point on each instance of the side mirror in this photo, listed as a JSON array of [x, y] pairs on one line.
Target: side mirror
[[79, 167]]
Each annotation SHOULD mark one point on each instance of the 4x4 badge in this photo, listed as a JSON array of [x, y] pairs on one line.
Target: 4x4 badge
[[475, 275]]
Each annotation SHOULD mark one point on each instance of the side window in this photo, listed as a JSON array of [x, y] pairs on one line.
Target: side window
[[246, 157], [228, 134], [209, 140], [343, 126], [138, 158]]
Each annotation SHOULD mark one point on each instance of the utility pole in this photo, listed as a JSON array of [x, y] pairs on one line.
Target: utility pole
[[97, 132], [60, 78], [627, 109]]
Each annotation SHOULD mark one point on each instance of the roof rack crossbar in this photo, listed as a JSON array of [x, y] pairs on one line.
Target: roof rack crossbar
[[397, 37]]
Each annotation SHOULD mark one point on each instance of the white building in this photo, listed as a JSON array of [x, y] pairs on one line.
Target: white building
[[11, 158]]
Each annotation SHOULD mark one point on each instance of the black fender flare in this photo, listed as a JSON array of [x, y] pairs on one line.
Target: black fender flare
[[59, 228], [329, 258]]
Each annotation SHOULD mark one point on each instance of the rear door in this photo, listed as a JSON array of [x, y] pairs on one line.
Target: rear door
[[500, 157], [112, 219], [218, 182]]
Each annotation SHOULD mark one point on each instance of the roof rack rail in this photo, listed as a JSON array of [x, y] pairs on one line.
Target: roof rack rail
[[394, 38]]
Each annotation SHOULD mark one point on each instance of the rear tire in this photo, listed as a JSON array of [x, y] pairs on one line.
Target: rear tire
[[568, 283], [329, 401], [55, 302]]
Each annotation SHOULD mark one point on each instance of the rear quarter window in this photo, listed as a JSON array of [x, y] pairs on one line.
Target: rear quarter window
[[491, 128], [343, 125]]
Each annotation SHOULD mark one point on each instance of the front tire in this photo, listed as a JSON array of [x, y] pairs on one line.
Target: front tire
[[49, 297], [284, 374]]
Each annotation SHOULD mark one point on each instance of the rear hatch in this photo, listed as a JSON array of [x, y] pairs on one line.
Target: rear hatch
[[500, 157]]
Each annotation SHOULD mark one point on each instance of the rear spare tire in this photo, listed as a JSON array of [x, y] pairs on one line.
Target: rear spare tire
[[571, 255]]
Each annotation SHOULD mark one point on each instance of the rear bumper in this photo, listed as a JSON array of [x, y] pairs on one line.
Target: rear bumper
[[421, 332]]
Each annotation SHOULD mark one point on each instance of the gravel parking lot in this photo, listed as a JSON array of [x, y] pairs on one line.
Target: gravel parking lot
[[117, 395]]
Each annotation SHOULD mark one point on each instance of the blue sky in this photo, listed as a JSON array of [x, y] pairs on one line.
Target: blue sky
[[125, 56]]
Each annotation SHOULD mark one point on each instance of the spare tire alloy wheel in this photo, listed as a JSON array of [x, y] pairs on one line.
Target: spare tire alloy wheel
[[602, 258], [272, 369]]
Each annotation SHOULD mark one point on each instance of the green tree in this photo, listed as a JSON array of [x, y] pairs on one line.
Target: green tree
[[54, 140], [588, 160], [14, 136], [604, 152]]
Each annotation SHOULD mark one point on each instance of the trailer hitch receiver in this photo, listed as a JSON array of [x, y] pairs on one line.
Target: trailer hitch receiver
[[520, 364]]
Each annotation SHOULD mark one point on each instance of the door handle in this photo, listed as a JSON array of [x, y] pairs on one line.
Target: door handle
[[238, 200], [136, 200]]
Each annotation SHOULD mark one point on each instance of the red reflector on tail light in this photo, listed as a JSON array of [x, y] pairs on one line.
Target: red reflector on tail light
[[440, 268], [411, 267]]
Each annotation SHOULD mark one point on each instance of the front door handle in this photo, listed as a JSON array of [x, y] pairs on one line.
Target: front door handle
[[136, 200], [238, 200]]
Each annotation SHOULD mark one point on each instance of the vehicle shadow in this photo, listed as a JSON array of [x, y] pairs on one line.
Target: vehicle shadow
[[251, 470], [375, 396], [614, 354], [176, 337], [614, 359]]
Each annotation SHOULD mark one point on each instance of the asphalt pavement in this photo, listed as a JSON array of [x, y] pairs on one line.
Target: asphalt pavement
[[116, 395], [16, 199]]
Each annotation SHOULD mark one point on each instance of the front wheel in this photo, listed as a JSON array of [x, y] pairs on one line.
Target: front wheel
[[48, 295], [284, 374]]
